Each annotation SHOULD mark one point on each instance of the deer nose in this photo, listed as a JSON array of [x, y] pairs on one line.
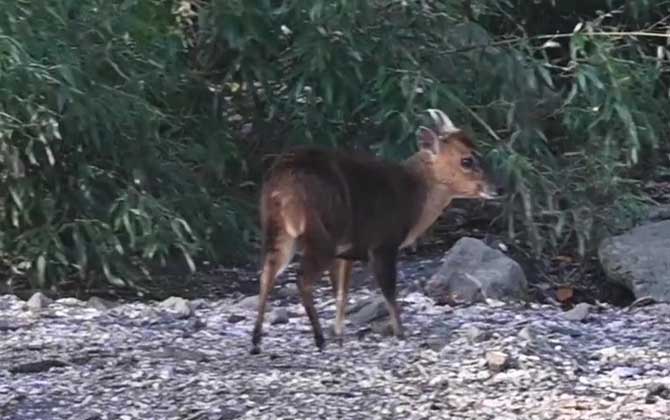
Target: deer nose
[[500, 190]]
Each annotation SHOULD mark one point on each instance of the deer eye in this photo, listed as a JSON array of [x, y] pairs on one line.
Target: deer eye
[[467, 163]]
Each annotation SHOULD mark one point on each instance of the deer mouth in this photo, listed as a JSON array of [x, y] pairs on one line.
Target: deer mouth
[[491, 192]]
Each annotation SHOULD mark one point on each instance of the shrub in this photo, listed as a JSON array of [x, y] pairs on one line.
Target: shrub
[[566, 119], [136, 131], [103, 133]]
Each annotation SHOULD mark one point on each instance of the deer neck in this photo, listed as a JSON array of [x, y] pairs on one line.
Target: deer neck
[[437, 196]]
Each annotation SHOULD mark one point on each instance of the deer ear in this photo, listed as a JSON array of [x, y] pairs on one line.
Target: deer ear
[[428, 139]]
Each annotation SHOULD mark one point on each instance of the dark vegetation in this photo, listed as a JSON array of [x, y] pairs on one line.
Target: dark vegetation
[[134, 133]]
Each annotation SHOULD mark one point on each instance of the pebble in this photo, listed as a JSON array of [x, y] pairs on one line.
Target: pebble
[[180, 307], [497, 360], [69, 301], [279, 316], [608, 352], [100, 304], [579, 313], [476, 334], [655, 391], [625, 372], [288, 290], [101, 362], [527, 333], [372, 310], [249, 302]]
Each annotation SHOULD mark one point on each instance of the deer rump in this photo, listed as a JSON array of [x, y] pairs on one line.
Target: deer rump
[[346, 205]]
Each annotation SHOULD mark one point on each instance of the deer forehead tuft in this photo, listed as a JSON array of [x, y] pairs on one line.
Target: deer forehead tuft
[[458, 144], [463, 139]]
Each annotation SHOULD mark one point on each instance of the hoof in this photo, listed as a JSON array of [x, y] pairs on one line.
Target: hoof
[[255, 349], [320, 343]]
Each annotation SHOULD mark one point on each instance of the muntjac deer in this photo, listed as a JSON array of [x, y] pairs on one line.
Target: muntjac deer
[[336, 208]]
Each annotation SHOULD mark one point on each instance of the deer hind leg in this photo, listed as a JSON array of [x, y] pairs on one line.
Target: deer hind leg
[[383, 263], [313, 266], [318, 253], [275, 260], [340, 276]]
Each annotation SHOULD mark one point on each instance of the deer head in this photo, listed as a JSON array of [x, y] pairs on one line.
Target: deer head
[[451, 160]]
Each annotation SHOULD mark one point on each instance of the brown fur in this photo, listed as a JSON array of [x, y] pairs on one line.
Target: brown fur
[[337, 208]]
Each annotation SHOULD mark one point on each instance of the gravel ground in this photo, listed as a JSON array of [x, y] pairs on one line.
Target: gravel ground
[[190, 360]]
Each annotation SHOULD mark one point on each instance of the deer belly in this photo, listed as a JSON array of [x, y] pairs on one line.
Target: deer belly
[[348, 251]]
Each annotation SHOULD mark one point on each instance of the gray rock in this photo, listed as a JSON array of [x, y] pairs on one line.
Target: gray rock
[[372, 310], [659, 213], [38, 301], [657, 390], [279, 316], [473, 272], [288, 291], [475, 334], [149, 314], [86, 415], [382, 328], [234, 319], [166, 373], [69, 301], [528, 333], [639, 260], [608, 353], [199, 304], [439, 330], [357, 305], [560, 329], [579, 313], [435, 343], [249, 303], [38, 366], [497, 361], [625, 372], [512, 376], [439, 381], [177, 305], [100, 303], [194, 324]]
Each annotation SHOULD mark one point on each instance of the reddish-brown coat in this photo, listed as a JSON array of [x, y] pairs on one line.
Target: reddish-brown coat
[[337, 207]]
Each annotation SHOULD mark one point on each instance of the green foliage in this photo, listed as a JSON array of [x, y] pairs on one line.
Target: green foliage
[[335, 73], [565, 120], [572, 169], [99, 147], [132, 132]]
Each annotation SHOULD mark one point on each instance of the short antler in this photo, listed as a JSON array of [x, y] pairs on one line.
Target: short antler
[[444, 124]]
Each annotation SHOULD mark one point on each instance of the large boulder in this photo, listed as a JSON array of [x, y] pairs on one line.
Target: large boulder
[[659, 213], [473, 271], [640, 260]]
